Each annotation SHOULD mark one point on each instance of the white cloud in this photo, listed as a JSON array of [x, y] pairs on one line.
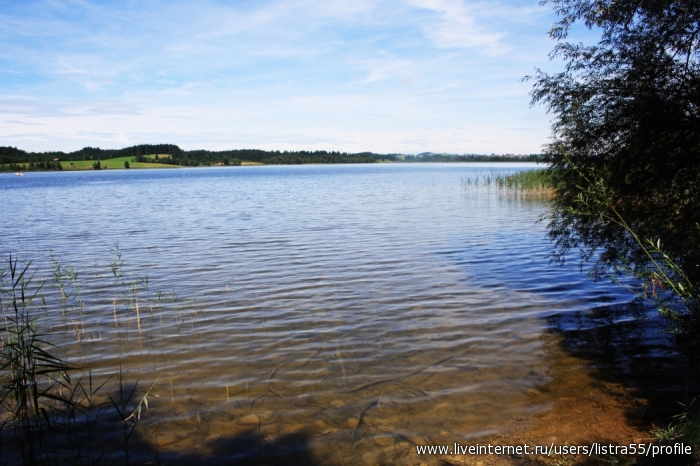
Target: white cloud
[[379, 70], [456, 26]]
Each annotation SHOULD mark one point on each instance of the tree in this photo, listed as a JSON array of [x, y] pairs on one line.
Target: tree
[[126, 164], [625, 152]]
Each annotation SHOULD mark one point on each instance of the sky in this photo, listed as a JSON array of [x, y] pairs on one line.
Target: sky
[[399, 76]]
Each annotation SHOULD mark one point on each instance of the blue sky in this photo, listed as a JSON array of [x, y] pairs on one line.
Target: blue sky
[[384, 76]]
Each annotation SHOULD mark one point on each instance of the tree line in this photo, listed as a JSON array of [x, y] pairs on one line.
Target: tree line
[[172, 154], [12, 158], [473, 158]]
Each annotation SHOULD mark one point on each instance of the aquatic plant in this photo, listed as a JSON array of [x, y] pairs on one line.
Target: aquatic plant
[[524, 182], [49, 413], [31, 377]]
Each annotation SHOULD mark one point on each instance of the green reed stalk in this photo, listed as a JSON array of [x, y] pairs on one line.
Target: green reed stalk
[[29, 374], [53, 416], [528, 180]]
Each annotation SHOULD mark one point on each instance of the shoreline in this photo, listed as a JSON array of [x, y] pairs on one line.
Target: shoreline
[[258, 164]]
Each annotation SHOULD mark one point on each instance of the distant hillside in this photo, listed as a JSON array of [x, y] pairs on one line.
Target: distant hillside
[[433, 157]]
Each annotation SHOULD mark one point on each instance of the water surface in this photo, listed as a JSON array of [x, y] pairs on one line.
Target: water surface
[[353, 310]]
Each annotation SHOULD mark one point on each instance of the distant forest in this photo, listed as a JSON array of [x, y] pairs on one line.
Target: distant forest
[[430, 157], [11, 157]]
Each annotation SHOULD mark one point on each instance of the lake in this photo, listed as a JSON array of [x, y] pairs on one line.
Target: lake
[[339, 313]]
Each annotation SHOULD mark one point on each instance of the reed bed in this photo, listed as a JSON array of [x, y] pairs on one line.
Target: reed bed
[[537, 182], [53, 409], [529, 180]]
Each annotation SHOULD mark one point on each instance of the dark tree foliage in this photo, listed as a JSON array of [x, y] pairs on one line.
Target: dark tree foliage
[[626, 113], [15, 159], [12, 155]]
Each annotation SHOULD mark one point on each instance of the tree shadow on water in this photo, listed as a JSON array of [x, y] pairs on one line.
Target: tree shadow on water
[[100, 436], [246, 449], [628, 345]]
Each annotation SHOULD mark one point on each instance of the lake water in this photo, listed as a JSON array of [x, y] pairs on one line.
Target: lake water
[[343, 313]]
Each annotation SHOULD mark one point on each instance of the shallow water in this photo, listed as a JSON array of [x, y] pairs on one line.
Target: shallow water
[[342, 312]]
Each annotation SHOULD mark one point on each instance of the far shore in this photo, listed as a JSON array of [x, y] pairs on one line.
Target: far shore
[[120, 163]]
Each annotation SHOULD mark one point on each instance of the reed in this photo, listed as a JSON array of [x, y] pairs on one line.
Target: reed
[[31, 377], [51, 414], [519, 182], [528, 180]]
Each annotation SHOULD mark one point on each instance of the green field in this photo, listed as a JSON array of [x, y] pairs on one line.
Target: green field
[[112, 163]]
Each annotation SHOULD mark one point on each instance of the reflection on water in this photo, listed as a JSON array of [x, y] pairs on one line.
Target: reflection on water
[[341, 314]]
